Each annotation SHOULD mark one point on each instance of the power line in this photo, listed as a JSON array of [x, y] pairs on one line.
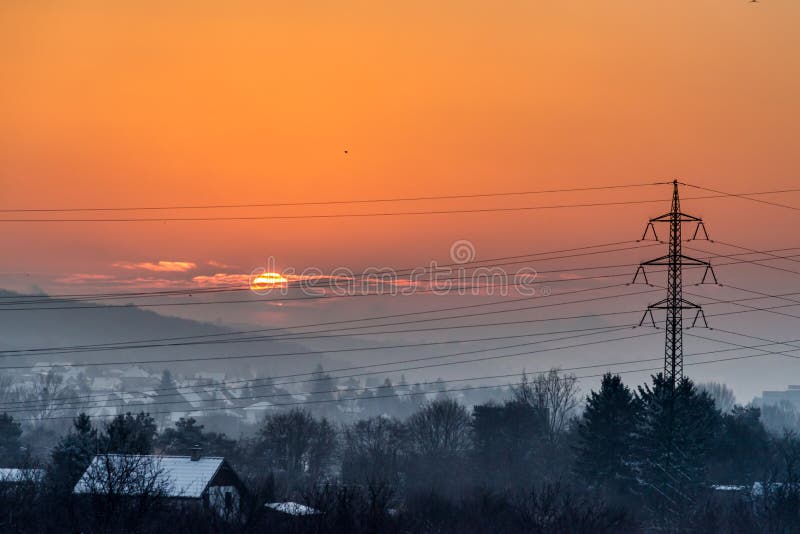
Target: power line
[[236, 357], [286, 333], [752, 262], [394, 277], [236, 287], [359, 215], [436, 357], [305, 335], [746, 196], [325, 296], [128, 343], [453, 390], [332, 202], [405, 270], [428, 358]]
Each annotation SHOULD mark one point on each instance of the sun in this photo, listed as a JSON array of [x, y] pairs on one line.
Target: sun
[[266, 281]]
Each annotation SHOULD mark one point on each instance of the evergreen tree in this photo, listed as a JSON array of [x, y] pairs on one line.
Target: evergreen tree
[[187, 433], [605, 432], [10, 432], [168, 395], [74, 452], [675, 431], [129, 434]]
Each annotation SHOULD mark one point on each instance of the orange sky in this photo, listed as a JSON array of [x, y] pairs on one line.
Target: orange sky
[[140, 103]]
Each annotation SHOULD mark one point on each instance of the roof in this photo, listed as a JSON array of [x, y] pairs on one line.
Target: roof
[[180, 476], [292, 508], [135, 372], [13, 474], [263, 405]]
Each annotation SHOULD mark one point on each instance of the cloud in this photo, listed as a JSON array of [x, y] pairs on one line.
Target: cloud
[[83, 278], [161, 266], [222, 279], [219, 264]]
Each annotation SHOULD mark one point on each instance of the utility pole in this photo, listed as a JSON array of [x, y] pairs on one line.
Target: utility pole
[[668, 475], [674, 303]]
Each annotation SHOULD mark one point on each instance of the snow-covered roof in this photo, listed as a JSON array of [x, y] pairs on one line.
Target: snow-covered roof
[[13, 474], [206, 375], [180, 476], [291, 508], [191, 396], [263, 405], [135, 372], [105, 382]]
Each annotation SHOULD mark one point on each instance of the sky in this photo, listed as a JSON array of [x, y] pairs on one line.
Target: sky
[[115, 104]]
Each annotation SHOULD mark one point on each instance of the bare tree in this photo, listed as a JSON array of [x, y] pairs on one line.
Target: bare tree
[[553, 394], [124, 490], [372, 451], [45, 396], [723, 396], [440, 427], [296, 443]]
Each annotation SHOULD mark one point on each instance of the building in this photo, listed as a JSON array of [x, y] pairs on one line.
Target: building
[[790, 395], [190, 481], [12, 475], [255, 413], [135, 377]]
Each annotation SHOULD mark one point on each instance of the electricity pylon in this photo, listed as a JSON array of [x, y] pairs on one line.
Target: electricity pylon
[[674, 303]]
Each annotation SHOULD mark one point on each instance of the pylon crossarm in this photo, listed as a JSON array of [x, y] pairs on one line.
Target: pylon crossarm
[[687, 305], [681, 217], [700, 226], [709, 270], [644, 275], [648, 313], [651, 228], [688, 260], [663, 260], [700, 315]]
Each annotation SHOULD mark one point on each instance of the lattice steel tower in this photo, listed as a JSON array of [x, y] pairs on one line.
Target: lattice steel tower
[[674, 303]]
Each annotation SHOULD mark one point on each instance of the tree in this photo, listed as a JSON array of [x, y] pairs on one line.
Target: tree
[[167, 394], [124, 493], [296, 443], [674, 436], [723, 396], [439, 438], [605, 431], [129, 434], [10, 432], [187, 433], [74, 452], [372, 451], [440, 428], [553, 394], [741, 448], [46, 393], [505, 441]]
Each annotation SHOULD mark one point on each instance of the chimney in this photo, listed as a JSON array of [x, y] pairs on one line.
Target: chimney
[[196, 452]]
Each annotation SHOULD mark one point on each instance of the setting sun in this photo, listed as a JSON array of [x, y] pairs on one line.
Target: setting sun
[[265, 281]]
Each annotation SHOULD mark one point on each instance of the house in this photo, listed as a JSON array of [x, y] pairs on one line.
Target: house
[[135, 377], [186, 481], [12, 475], [256, 412]]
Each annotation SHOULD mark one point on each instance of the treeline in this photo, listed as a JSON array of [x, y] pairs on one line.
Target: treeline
[[544, 460]]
